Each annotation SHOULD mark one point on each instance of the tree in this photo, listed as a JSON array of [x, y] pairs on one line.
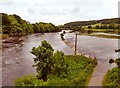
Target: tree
[[89, 31], [97, 27], [43, 59], [105, 26], [62, 36], [111, 26], [13, 25], [117, 61], [5, 20], [89, 27], [60, 67], [47, 62]]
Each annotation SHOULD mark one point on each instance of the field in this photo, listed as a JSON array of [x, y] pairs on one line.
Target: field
[[105, 36], [80, 70], [106, 30], [113, 31]]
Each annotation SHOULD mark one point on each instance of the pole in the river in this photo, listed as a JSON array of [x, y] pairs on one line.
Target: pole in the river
[[75, 43]]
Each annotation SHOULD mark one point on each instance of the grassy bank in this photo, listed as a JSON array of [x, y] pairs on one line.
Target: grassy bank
[[80, 70], [105, 36], [111, 79], [112, 31]]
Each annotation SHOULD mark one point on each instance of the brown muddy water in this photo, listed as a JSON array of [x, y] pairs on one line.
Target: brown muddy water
[[17, 61]]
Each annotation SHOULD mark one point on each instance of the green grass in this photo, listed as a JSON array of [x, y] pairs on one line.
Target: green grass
[[80, 70], [111, 31], [115, 31], [105, 36], [103, 30], [112, 78]]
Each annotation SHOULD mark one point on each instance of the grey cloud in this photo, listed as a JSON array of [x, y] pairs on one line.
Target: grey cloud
[[75, 10], [65, 10], [31, 11]]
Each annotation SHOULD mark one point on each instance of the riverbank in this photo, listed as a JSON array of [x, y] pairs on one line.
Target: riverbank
[[18, 60], [97, 74], [73, 48], [11, 41], [101, 34], [102, 49], [112, 79], [105, 35], [77, 73]]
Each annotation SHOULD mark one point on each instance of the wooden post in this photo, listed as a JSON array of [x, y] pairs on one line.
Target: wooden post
[[75, 43]]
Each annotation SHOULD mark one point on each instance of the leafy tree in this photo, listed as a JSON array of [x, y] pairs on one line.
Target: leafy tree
[[111, 26], [101, 27], [5, 20], [117, 61], [13, 25], [59, 65], [97, 27], [62, 36], [117, 50], [89, 27], [105, 26], [43, 59], [89, 31], [47, 62]]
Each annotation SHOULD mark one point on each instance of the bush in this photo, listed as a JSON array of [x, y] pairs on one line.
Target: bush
[[47, 62], [111, 79], [111, 61], [58, 69], [89, 27]]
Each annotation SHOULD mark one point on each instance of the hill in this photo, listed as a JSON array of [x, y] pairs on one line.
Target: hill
[[14, 25], [92, 22], [105, 25]]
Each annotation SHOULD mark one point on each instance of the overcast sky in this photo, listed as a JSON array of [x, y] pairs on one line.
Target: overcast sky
[[60, 11]]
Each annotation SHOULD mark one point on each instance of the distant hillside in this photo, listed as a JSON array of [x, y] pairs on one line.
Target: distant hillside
[[14, 25], [92, 22]]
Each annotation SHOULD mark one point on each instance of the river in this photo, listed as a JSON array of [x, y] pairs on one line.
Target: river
[[101, 48], [17, 61]]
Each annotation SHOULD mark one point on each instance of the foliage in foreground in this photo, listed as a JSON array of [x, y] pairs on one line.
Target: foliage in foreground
[[57, 69], [79, 71], [112, 78], [47, 62]]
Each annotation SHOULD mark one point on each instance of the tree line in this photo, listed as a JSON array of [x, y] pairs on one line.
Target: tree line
[[14, 25], [113, 23], [92, 22], [104, 26]]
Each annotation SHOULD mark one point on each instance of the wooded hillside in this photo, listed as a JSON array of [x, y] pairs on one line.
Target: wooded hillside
[[14, 25]]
